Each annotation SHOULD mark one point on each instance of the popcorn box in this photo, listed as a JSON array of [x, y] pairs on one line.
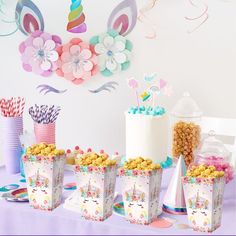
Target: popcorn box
[[141, 190], [203, 198], [44, 177], [96, 187]]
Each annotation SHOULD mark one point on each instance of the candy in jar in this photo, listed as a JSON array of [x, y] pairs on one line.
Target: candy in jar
[[212, 152]]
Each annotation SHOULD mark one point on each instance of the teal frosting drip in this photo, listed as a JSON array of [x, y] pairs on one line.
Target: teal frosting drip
[[147, 110]]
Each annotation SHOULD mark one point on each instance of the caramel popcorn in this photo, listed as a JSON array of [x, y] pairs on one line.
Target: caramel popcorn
[[140, 163], [186, 138], [94, 159], [43, 149], [204, 171]]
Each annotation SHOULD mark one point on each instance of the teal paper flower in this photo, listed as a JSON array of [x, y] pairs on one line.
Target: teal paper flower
[[114, 52]]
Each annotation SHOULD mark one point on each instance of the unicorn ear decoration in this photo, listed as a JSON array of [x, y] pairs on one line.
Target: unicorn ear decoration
[[112, 48], [25, 17], [29, 17], [124, 17]]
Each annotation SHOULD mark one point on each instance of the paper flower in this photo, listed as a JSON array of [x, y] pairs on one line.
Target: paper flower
[[76, 62], [114, 52], [38, 53]]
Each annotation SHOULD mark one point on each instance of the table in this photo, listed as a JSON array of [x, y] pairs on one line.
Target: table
[[20, 218]]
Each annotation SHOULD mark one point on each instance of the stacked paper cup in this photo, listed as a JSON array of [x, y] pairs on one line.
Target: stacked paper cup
[[12, 127]]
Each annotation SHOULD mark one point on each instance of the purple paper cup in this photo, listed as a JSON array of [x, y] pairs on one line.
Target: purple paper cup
[[45, 133], [11, 140], [12, 125], [12, 160]]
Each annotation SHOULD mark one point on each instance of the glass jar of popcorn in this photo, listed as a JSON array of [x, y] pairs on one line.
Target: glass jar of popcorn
[[213, 152], [185, 128]]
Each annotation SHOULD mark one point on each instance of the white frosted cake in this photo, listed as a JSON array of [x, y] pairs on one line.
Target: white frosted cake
[[146, 133]]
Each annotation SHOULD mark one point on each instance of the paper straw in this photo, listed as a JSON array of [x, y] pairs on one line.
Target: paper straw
[[44, 114], [12, 107]]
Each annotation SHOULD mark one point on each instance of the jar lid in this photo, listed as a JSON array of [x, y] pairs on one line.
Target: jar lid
[[186, 107], [212, 147]]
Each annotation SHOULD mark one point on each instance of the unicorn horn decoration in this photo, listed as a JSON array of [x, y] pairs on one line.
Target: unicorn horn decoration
[[76, 18], [174, 202]]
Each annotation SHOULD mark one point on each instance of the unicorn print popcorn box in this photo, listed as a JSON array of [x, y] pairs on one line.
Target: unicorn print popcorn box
[[44, 170], [96, 178], [141, 183], [203, 190]]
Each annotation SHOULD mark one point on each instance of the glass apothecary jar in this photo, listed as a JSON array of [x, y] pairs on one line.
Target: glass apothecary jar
[[214, 153], [185, 129]]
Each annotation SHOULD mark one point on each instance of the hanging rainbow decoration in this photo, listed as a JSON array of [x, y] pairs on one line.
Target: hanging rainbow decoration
[[76, 18], [28, 17]]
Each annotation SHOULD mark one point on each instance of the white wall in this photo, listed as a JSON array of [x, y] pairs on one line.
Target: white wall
[[204, 63]]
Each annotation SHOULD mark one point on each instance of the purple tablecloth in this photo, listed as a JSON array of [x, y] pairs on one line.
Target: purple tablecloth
[[19, 218]]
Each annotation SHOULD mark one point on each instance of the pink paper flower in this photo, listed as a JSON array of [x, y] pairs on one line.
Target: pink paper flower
[[38, 53], [76, 62]]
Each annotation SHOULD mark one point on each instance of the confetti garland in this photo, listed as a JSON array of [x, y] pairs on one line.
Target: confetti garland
[[105, 87], [44, 114], [13, 107], [49, 89], [148, 24], [203, 16]]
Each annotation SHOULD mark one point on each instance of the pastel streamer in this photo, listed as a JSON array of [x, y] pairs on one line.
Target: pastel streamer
[[123, 17], [7, 22], [45, 89], [76, 18], [28, 17], [148, 24], [105, 87], [203, 16]]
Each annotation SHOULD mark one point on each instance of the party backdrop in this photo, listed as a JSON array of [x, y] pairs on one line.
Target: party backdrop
[[190, 44]]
